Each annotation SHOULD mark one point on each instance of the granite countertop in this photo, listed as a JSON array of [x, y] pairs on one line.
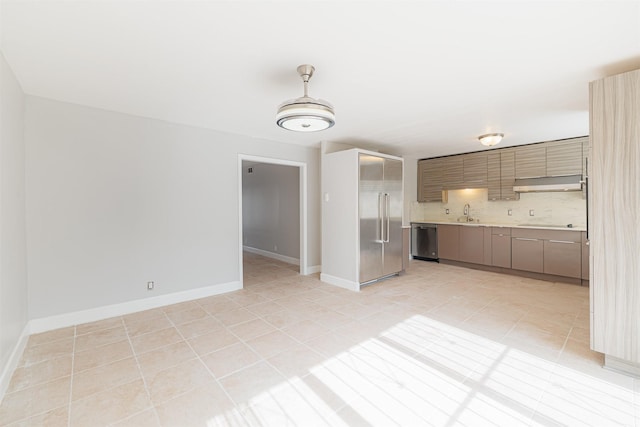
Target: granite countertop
[[486, 224]]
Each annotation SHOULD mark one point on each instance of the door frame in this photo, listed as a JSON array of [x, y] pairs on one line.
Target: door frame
[[302, 184]]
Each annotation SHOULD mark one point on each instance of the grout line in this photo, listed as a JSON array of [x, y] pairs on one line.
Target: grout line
[[144, 380], [73, 358], [208, 370]]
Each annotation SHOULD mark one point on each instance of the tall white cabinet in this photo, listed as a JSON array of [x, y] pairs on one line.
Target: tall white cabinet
[[361, 217], [614, 219]]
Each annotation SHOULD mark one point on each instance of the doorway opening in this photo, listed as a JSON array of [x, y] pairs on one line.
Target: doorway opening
[[273, 215]]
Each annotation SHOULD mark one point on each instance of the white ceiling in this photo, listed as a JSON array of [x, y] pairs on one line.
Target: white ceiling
[[422, 78]]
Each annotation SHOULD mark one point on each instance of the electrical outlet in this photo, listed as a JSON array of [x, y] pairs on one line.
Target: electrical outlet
[[150, 286], [531, 213], [275, 248], [446, 211], [510, 212]]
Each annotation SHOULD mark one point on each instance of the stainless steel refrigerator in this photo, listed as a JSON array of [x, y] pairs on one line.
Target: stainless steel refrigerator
[[380, 213], [362, 204]]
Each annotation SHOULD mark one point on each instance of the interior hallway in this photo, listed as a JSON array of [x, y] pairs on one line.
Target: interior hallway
[[439, 345]]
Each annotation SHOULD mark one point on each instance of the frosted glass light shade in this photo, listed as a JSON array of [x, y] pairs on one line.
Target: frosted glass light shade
[[490, 139]]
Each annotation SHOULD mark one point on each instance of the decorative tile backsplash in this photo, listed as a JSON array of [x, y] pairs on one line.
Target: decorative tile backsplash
[[559, 208]]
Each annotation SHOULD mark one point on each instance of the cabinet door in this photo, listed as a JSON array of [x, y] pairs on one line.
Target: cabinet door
[[471, 244], [614, 199], [453, 168], [430, 180], [501, 250], [474, 170], [448, 238], [527, 254], [564, 158], [563, 258], [531, 161], [508, 175], [493, 175]]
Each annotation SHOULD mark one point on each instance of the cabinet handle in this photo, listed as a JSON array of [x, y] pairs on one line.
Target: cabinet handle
[[561, 241], [529, 240]]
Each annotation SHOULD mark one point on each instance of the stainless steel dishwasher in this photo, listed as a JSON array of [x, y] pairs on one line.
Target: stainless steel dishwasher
[[424, 241]]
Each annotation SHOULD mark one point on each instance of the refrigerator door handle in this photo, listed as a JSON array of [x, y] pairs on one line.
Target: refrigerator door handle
[[387, 208], [586, 191], [381, 217]]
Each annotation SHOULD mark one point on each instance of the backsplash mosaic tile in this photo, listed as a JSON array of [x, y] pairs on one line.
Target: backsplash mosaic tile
[[559, 208]]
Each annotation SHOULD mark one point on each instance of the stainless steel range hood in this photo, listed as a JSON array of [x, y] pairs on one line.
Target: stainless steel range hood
[[548, 183]]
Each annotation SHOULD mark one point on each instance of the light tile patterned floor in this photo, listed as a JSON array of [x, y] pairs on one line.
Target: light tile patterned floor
[[440, 345]]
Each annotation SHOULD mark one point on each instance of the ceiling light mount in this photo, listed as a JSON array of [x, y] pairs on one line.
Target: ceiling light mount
[[305, 114], [490, 139]]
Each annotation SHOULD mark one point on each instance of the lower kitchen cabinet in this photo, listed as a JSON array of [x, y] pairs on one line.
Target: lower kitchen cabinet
[[556, 252], [527, 254], [448, 242], [563, 258], [471, 244], [553, 252], [501, 247]]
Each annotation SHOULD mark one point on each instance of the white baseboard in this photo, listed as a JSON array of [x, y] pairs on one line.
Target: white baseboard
[[314, 269], [342, 283], [14, 359], [622, 366], [273, 255], [104, 312]]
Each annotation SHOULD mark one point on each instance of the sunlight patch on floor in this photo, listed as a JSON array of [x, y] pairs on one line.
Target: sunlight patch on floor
[[424, 372]]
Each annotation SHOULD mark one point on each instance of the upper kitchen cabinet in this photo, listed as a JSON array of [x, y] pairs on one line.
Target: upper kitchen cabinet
[[555, 158], [501, 175], [453, 172], [564, 158], [531, 161], [508, 174], [474, 170], [498, 169], [430, 180], [493, 176]]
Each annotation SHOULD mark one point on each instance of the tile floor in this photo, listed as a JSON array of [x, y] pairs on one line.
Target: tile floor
[[440, 345]]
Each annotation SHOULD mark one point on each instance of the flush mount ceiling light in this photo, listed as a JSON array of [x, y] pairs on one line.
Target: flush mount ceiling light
[[305, 114], [490, 139]]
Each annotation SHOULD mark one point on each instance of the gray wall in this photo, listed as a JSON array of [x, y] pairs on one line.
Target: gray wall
[[13, 272], [114, 201], [271, 208]]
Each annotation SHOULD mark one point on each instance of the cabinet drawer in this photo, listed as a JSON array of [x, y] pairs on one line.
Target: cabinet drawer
[[535, 233], [503, 231]]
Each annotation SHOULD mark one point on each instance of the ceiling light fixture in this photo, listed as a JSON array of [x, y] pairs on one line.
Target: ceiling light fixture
[[305, 114], [490, 139]]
